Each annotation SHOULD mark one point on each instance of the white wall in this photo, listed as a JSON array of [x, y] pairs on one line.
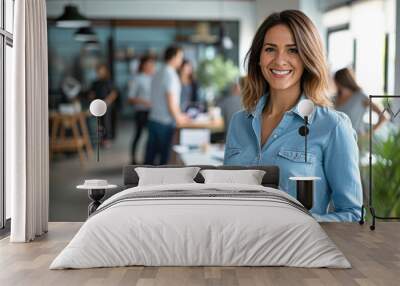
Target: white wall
[[310, 7], [242, 11], [264, 8]]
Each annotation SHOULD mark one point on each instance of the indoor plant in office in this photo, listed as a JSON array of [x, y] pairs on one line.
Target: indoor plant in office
[[214, 75], [386, 175]]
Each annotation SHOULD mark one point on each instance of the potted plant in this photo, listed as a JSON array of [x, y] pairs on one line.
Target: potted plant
[[386, 176], [214, 76]]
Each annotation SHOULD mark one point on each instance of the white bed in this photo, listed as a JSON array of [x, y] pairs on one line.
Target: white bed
[[250, 225]]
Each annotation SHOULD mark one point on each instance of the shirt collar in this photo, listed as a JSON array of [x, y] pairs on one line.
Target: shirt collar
[[259, 107], [168, 67], [257, 111]]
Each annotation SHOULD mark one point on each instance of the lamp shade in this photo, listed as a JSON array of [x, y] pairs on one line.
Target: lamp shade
[[227, 43], [71, 18], [224, 39], [98, 107], [92, 45], [305, 107], [85, 34]]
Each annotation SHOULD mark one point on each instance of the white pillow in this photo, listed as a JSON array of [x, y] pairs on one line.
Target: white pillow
[[249, 177], [163, 176]]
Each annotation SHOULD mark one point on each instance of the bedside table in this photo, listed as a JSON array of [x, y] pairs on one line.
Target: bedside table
[[96, 191]]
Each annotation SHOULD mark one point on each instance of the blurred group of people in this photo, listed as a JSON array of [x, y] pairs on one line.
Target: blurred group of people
[[160, 99]]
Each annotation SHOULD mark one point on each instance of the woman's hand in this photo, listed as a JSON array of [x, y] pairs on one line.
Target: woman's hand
[[382, 117]]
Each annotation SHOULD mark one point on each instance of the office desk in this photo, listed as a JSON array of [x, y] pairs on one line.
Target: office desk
[[216, 125], [213, 155], [213, 125]]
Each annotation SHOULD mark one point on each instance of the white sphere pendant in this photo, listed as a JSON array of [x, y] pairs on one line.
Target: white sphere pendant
[[305, 107], [98, 107]]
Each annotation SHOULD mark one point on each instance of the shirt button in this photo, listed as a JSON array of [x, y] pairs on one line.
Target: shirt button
[[275, 136]]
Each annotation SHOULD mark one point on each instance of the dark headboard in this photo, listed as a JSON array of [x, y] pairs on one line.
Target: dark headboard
[[270, 179]]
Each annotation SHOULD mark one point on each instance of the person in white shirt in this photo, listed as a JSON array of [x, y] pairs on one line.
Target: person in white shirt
[[139, 96], [165, 113]]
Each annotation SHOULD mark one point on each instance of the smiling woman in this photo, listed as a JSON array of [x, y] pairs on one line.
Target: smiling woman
[[286, 63], [296, 40], [280, 63]]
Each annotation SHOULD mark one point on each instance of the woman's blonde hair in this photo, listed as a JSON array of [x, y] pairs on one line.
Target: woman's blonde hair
[[314, 81]]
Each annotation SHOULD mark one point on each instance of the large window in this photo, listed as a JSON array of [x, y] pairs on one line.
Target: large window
[[341, 47], [362, 35], [6, 43]]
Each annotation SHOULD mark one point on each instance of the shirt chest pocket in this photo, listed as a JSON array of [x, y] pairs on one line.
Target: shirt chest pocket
[[295, 163], [237, 156], [297, 156]]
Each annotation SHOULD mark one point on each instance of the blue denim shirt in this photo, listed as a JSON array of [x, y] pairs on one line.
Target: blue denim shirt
[[332, 155]]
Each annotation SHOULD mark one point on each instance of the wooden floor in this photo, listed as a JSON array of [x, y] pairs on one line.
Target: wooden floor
[[375, 257]]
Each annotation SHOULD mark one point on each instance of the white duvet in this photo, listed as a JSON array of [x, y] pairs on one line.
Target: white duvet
[[200, 231]]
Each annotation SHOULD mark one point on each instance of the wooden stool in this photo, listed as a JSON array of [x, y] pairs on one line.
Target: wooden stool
[[79, 141]]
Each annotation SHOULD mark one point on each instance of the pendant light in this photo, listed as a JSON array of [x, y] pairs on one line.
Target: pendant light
[[85, 34], [92, 45], [71, 18], [225, 41]]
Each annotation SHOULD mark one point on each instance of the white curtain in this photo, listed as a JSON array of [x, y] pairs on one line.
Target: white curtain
[[27, 146]]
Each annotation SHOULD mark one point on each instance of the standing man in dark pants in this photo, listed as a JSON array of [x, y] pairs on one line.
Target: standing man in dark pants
[[139, 96], [165, 112]]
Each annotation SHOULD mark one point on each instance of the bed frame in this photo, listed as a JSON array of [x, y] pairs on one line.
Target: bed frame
[[270, 179]]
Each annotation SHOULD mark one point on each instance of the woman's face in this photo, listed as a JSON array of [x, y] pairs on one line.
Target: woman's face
[[280, 62], [186, 69], [102, 72], [342, 91], [178, 59], [149, 67]]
